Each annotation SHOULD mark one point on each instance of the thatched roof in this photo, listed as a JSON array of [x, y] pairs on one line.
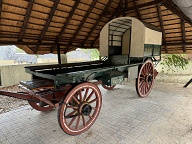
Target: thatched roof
[[39, 26]]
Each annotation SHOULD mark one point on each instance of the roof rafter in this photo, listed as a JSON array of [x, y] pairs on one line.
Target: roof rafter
[[183, 34], [98, 20], [142, 5], [0, 7], [126, 4], [68, 20], [161, 25], [112, 16], [177, 43], [137, 9], [54, 8], [84, 19], [26, 19], [175, 10]]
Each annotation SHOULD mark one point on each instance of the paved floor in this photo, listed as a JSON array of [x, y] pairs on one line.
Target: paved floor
[[124, 119]]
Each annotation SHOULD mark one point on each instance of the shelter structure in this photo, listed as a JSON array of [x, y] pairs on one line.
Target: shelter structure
[[54, 26]]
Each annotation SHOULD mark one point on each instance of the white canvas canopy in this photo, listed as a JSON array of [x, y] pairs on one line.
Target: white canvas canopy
[[130, 35]]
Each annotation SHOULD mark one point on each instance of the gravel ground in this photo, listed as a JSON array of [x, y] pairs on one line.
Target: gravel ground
[[9, 103]]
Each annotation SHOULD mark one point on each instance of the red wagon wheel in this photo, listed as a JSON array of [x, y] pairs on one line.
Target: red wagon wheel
[[75, 118], [40, 106], [108, 87], [145, 79]]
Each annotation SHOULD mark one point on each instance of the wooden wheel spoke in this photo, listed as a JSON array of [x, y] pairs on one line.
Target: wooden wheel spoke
[[90, 117], [75, 99], [147, 69], [83, 118], [141, 84], [146, 88], [72, 114], [73, 107], [93, 100], [77, 123], [95, 108], [72, 120], [143, 89], [85, 96], [142, 72], [80, 96], [90, 95], [150, 69], [142, 77]]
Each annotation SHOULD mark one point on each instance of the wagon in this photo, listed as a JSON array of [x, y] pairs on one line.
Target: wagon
[[129, 49]]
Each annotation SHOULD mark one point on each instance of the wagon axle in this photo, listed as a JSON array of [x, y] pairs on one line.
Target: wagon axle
[[149, 78], [86, 109]]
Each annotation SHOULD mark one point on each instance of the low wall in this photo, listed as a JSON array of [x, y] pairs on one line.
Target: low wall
[[6, 62], [13, 74]]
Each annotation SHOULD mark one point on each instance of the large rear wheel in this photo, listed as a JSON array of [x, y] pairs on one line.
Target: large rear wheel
[[80, 108], [145, 80]]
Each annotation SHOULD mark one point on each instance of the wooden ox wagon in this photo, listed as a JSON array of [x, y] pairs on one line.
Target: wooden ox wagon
[[129, 49]]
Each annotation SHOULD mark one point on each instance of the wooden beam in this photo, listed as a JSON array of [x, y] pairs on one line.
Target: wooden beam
[[52, 49], [0, 7], [126, 4], [183, 34], [59, 54], [53, 9], [137, 9], [112, 16], [175, 10], [177, 43], [98, 20], [161, 25], [139, 6], [26, 19], [38, 43], [83, 21], [68, 20]]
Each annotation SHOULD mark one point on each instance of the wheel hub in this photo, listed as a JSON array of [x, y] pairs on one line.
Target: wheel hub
[[86, 109], [149, 78]]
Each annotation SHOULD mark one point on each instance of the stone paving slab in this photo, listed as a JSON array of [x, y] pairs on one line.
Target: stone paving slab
[[124, 119]]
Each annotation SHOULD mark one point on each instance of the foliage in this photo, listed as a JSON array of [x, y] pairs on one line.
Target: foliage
[[19, 50], [174, 62], [93, 52]]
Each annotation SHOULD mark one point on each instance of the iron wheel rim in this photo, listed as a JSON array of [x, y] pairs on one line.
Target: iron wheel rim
[[71, 117]]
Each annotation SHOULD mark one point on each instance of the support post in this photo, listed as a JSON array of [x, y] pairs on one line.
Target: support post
[[58, 54], [190, 81]]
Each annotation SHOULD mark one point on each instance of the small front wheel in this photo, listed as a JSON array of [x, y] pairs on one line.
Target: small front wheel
[[80, 108], [40, 106], [108, 87]]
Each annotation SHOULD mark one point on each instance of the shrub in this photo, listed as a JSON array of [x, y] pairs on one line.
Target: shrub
[[174, 62]]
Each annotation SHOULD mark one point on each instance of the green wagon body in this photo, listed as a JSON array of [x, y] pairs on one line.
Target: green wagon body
[[129, 49]]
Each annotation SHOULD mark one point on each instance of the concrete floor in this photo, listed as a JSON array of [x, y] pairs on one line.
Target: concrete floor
[[124, 119]]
